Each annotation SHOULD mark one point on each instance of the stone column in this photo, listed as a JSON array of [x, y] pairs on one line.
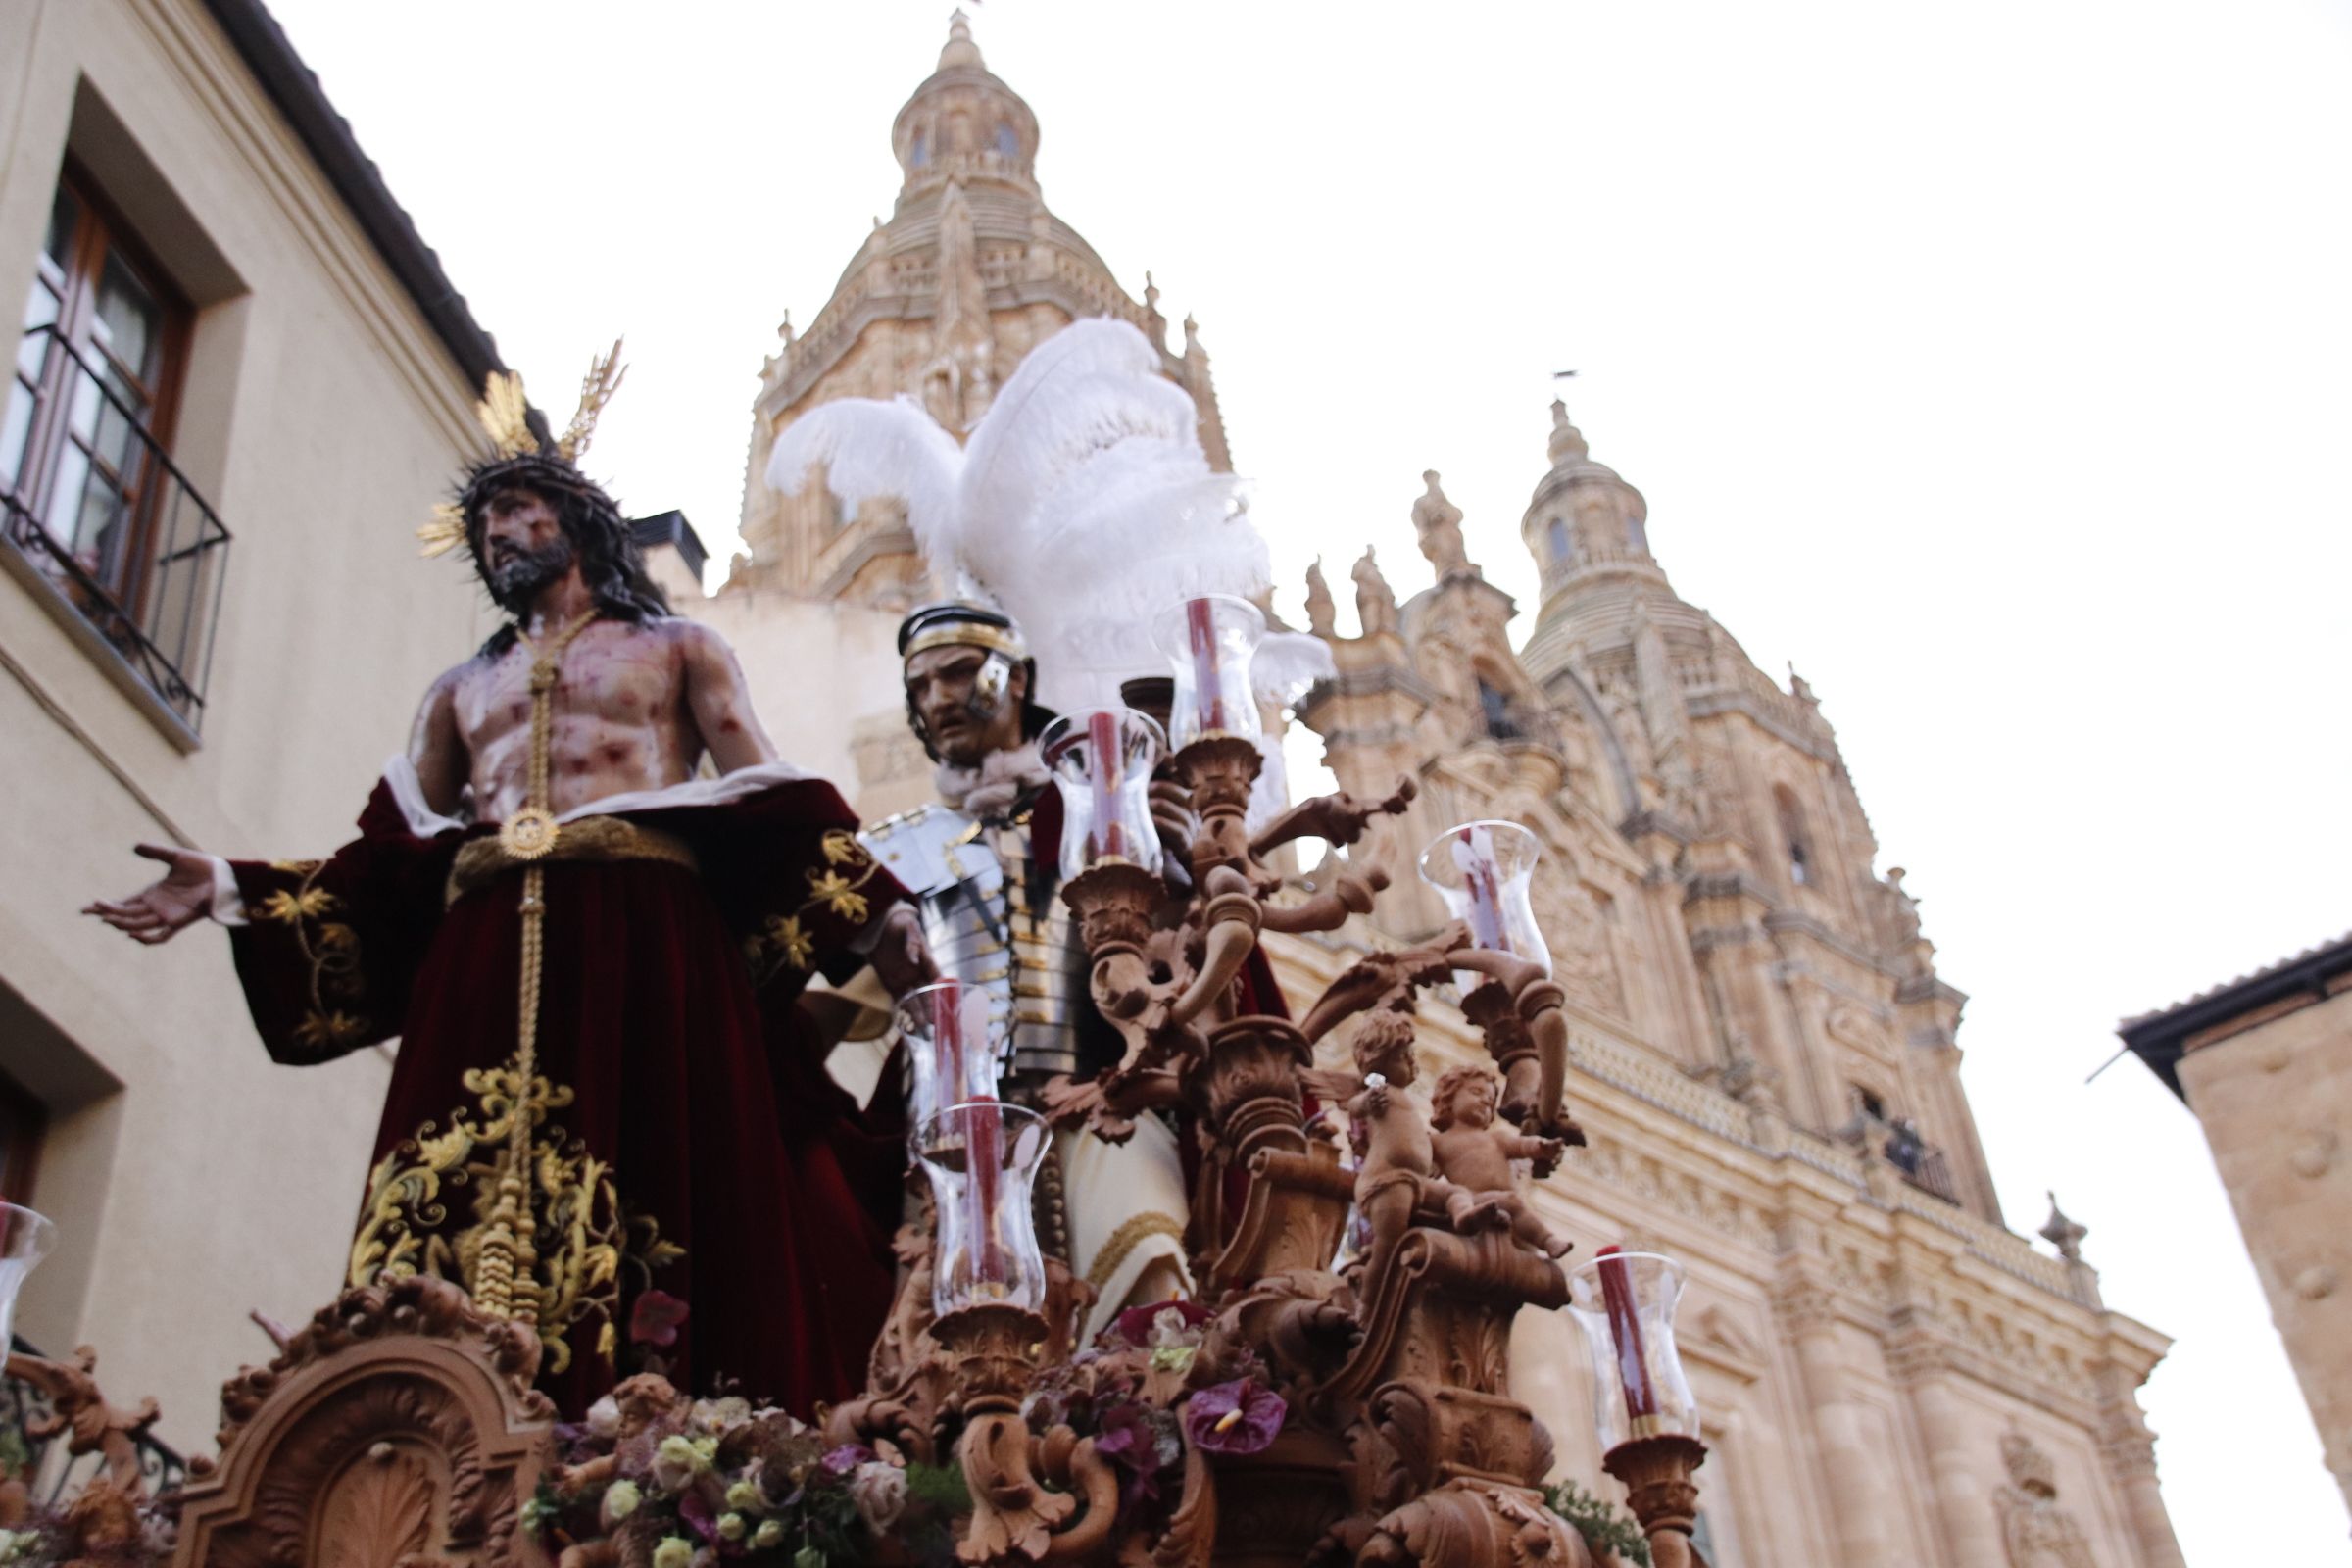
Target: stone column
[[2128, 1450], [1850, 1469], [1962, 1501]]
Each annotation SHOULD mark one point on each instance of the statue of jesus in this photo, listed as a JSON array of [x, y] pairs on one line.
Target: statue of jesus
[[606, 1106]]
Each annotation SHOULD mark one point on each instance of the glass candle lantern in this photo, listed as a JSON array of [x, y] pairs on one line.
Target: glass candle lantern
[[1103, 759], [1624, 1302], [1482, 871], [954, 1046], [25, 1240], [1209, 641], [982, 1159]]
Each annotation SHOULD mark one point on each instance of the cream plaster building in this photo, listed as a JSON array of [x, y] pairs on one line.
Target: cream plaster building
[[1765, 1057], [243, 381], [2265, 1061]]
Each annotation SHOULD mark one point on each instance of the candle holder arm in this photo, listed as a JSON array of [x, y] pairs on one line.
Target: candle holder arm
[[1536, 1000], [1338, 818], [1231, 919], [1382, 980], [1352, 893]]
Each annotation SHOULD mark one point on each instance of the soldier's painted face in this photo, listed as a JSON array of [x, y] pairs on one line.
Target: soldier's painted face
[[944, 688]]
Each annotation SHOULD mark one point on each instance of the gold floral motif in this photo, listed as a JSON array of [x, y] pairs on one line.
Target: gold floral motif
[[305, 902], [783, 941], [321, 1030], [581, 1239], [796, 945], [331, 949], [838, 893]]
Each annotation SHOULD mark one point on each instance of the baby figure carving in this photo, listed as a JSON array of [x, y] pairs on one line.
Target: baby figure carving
[[1474, 1154]]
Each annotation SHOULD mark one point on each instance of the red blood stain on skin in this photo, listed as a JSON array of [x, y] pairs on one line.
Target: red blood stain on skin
[[521, 709], [730, 726], [617, 752]]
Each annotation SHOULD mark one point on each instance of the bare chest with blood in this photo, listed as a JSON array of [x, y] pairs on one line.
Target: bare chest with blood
[[620, 721]]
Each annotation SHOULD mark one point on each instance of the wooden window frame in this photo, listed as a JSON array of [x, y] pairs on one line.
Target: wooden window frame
[[100, 232]]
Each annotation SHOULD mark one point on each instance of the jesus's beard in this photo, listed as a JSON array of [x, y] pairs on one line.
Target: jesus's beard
[[517, 578]]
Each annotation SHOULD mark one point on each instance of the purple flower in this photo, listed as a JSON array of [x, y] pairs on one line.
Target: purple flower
[[1237, 1417], [847, 1458], [1142, 1442], [656, 1319], [1135, 1324]]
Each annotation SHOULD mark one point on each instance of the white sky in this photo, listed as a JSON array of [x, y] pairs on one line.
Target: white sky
[[1989, 361]]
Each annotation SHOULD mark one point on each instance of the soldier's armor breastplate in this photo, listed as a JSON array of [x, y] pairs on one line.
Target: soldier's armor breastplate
[[993, 914]]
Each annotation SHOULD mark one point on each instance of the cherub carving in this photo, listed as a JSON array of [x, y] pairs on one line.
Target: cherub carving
[[1398, 1162], [1474, 1154]]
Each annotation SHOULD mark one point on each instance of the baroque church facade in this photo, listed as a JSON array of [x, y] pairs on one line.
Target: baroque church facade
[[1763, 1054]]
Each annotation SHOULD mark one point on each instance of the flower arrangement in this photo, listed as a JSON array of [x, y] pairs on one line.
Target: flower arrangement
[[1159, 1378], [655, 1480], [652, 1479]]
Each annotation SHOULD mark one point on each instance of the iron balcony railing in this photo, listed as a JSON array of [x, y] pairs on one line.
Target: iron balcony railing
[[1920, 1163], [32, 1445], [97, 507]]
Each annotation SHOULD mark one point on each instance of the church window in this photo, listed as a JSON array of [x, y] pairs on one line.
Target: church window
[[920, 154], [1495, 709], [1555, 539], [1798, 842], [1007, 143], [1636, 532], [1869, 1104]]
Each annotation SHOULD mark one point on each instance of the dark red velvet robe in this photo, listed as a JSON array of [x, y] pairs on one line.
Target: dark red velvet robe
[[687, 1107]]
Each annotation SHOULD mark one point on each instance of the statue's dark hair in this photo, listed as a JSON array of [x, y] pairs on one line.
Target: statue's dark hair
[[609, 561]]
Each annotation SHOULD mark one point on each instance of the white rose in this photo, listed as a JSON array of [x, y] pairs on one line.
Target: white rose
[[730, 1527], [622, 1499], [879, 1492], [675, 1552]]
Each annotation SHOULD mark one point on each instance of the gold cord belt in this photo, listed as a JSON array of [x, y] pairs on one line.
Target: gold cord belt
[[505, 1275], [605, 839]]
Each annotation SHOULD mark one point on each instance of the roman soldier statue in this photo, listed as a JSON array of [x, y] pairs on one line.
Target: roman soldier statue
[[606, 1112], [983, 863]]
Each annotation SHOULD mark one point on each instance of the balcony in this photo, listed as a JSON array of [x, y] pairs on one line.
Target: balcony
[[96, 514], [1920, 1163], [32, 1445]]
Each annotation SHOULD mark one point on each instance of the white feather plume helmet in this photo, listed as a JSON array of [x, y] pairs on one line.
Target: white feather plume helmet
[[1081, 506]]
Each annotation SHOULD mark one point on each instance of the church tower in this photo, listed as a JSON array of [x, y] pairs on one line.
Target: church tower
[[1709, 881], [940, 303]]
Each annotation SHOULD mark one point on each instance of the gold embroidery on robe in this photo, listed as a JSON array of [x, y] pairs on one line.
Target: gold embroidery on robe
[[330, 947], [582, 1240], [782, 941]]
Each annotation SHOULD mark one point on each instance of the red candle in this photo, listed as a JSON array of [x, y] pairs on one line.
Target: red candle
[[1625, 1329], [1482, 879], [1208, 701], [1103, 736], [981, 1132]]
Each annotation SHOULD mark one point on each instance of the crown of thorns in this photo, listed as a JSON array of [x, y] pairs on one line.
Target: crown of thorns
[[516, 455]]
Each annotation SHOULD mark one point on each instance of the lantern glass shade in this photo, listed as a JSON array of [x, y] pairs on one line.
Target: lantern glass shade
[[1624, 1304], [1483, 870], [25, 1240], [1103, 759], [954, 1044], [1211, 642], [982, 1160]]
